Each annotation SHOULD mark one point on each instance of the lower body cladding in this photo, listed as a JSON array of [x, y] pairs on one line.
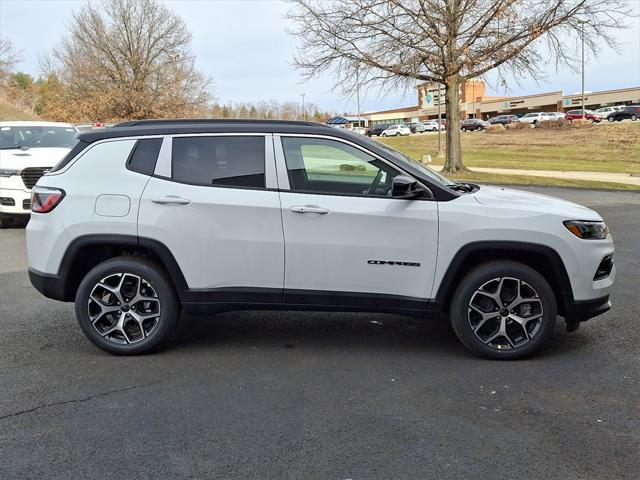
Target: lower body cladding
[[203, 302]]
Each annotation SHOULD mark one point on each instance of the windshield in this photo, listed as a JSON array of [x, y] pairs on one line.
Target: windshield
[[405, 159], [26, 136]]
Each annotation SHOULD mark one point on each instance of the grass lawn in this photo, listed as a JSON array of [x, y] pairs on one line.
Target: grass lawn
[[493, 179], [598, 148]]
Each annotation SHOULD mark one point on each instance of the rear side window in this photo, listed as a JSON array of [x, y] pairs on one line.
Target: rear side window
[[219, 161], [144, 156]]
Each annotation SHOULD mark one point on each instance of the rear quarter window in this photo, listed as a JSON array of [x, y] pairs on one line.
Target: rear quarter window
[[144, 155]]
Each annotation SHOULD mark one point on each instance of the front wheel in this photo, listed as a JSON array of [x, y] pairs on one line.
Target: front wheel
[[634, 118], [503, 310], [611, 119], [127, 306], [384, 134]]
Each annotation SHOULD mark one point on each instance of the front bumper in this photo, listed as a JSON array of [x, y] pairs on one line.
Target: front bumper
[[583, 310], [15, 202]]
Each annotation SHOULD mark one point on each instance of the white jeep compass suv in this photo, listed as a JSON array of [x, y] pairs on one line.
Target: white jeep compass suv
[[150, 218], [27, 150]]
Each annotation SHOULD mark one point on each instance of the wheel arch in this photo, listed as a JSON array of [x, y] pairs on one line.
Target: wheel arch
[[87, 251], [543, 259]]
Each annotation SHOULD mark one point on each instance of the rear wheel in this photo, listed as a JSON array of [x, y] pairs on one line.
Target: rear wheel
[[127, 306], [634, 117], [503, 310], [611, 119]]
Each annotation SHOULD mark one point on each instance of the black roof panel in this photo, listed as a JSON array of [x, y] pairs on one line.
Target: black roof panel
[[176, 127]]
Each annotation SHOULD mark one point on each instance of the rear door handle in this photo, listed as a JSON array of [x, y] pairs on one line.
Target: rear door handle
[[309, 209], [171, 200]]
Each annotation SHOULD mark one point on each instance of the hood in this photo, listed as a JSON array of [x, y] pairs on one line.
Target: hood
[[32, 157], [519, 199]]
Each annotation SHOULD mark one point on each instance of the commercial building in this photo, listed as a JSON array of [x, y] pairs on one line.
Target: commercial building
[[474, 103]]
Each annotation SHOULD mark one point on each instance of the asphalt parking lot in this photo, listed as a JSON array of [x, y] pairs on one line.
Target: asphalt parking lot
[[257, 395]]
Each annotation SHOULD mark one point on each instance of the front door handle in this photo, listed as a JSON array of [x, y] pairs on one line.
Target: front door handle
[[171, 200], [309, 209]]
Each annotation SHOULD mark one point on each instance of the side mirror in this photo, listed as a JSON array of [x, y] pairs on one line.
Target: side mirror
[[407, 187]]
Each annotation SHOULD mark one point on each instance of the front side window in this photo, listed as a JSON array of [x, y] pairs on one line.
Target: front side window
[[233, 161], [317, 165]]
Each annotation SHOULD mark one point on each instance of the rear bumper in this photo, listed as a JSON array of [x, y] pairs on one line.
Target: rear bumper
[[51, 286], [581, 311]]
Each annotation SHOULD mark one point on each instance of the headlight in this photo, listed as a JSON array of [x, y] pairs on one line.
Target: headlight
[[8, 172], [587, 230]]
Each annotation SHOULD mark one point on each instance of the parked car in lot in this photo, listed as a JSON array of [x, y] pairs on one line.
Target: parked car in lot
[[416, 127], [588, 115], [553, 116], [631, 112], [377, 129], [471, 124], [396, 131], [604, 111], [432, 125], [28, 150], [306, 217], [533, 117], [503, 119]]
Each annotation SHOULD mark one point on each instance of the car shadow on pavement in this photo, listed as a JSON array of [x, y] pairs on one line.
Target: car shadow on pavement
[[317, 330], [330, 331]]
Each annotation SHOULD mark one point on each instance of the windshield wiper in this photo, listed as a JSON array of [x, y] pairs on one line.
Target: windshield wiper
[[15, 147]]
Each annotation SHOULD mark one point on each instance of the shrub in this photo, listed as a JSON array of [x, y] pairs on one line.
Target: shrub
[[554, 124], [517, 125], [497, 128], [581, 122]]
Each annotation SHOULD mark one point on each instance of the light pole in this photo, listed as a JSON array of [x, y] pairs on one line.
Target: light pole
[[304, 112], [440, 153], [473, 86], [358, 97], [582, 22]]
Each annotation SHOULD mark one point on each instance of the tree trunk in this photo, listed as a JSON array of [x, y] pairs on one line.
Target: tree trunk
[[453, 162]]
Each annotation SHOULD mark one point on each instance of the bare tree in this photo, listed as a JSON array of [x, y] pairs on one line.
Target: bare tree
[[127, 59], [9, 56], [396, 42]]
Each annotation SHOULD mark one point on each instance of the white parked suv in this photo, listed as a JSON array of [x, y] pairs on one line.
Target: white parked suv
[[533, 118], [396, 130], [27, 151], [149, 218]]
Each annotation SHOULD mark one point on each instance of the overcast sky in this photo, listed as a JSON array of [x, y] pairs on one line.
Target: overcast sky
[[243, 45]]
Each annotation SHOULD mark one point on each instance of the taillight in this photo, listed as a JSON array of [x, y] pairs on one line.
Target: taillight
[[45, 199]]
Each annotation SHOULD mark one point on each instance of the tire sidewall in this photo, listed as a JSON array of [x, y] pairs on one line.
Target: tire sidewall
[[156, 277], [482, 274]]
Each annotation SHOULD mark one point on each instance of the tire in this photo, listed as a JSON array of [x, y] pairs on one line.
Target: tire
[[384, 135], [398, 134], [469, 309], [6, 221], [634, 118], [611, 119], [103, 301], [463, 129], [480, 129]]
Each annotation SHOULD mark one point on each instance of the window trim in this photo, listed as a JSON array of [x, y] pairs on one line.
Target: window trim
[[283, 173], [164, 165]]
